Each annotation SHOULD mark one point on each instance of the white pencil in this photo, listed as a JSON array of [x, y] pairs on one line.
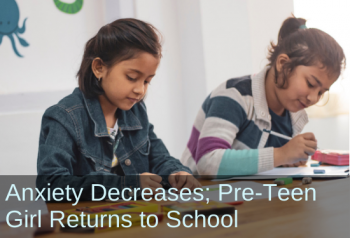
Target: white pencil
[[278, 134]]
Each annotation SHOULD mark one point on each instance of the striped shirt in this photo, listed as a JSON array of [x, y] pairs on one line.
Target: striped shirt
[[227, 136]]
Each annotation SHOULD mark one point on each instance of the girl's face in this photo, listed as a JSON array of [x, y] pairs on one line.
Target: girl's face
[[306, 85], [126, 82]]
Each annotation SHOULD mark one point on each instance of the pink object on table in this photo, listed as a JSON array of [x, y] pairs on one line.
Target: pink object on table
[[335, 157]]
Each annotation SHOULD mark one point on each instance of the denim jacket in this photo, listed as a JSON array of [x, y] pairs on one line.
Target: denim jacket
[[74, 141]]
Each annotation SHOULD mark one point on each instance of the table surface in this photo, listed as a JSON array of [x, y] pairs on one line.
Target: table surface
[[328, 216]]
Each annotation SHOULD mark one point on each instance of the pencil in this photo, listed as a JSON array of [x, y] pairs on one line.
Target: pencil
[[280, 135]]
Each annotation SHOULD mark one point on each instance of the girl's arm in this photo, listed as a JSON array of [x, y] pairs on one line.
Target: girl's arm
[[220, 120], [58, 164]]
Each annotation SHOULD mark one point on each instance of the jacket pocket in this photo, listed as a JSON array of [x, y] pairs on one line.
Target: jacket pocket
[[91, 163], [145, 148]]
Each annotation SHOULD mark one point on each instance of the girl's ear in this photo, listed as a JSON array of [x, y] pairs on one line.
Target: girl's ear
[[280, 61], [98, 67]]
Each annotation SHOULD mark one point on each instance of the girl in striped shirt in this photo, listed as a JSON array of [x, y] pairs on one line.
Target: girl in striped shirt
[[231, 135]]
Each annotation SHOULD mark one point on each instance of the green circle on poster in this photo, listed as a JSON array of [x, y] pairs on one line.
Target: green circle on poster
[[70, 8]]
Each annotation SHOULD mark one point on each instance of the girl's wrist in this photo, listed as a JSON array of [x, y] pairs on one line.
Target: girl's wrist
[[279, 157]]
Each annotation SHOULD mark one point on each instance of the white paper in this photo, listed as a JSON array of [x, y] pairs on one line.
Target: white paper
[[296, 172]]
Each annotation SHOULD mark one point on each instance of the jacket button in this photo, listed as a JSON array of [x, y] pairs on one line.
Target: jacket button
[[127, 162]]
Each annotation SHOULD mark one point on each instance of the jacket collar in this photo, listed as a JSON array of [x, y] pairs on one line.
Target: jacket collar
[[299, 118], [127, 120]]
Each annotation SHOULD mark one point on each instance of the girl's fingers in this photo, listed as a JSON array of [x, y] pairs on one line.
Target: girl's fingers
[[193, 187], [189, 183], [153, 191], [196, 184], [172, 180], [180, 182], [152, 184], [309, 136], [311, 144], [156, 178], [309, 151]]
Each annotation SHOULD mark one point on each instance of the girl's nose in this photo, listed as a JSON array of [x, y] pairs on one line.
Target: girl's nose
[[313, 97], [139, 88]]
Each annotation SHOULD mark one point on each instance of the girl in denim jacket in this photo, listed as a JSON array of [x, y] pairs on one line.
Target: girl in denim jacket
[[102, 128]]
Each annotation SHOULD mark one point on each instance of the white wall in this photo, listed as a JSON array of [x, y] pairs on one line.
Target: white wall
[[194, 88], [46, 73], [331, 133], [265, 19], [179, 87], [56, 44], [236, 35], [115, 9], [226, 39], [164, 100], [42, 77], [19, 141]]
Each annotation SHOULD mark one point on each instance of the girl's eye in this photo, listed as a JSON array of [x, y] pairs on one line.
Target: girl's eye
[[309, 84], [146, 82], [131, 79]]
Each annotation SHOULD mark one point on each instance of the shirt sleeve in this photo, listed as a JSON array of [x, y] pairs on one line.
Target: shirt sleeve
[[223, 119]]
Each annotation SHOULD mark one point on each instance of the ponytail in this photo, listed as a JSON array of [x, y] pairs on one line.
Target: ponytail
[[305, 46], [289, 26]]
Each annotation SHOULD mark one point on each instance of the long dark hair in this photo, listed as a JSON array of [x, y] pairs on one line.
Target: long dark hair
[[120, 40], [305, 46]]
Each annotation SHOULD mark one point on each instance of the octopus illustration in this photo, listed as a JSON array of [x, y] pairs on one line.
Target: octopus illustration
[[9, 18], [70, 8]]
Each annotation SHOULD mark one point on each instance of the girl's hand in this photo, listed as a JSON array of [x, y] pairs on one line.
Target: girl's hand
[[296, 150], [297, 164], [149, 180], [183, 180]]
